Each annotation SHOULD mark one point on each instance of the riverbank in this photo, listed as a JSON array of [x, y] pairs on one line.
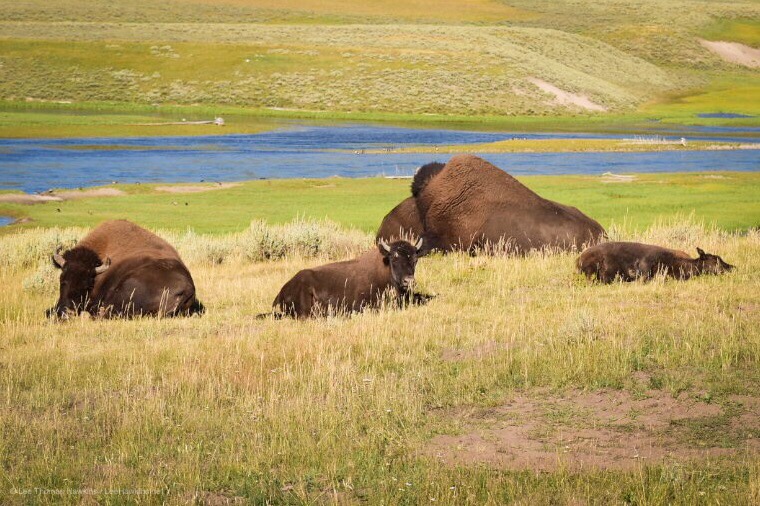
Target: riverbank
[[725, 199], [62, 119], [635, 144]]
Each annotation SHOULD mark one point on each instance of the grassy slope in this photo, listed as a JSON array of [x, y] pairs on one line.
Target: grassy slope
[[391, 59], [339, 411], [727, 199]]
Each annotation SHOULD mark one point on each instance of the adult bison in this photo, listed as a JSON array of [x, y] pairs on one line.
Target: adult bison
[[471, 204], [628, 261], [352, 285], [403, 222], [120, 269]]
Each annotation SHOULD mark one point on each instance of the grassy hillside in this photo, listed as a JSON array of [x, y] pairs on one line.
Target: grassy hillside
[[728, 200], [400, 406], [473, 57]]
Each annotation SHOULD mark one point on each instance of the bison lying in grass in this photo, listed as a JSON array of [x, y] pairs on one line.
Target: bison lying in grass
[[628, 261], [470, 204], [121, 269], [352, 285]]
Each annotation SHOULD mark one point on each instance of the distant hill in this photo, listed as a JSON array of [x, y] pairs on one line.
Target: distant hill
[[517, 57]]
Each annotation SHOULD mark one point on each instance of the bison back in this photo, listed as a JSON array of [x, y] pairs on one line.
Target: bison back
[[403, 222]]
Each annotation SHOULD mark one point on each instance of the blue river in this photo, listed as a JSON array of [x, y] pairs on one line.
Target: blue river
[[313, 151]]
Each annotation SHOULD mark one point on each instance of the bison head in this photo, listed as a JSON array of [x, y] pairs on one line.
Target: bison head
[[712, 264], [401, 257], [79, 267]]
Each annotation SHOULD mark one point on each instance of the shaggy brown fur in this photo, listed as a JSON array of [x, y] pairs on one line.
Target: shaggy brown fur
[[403, 222], [121, 269], [352, 285], [628, 261], [472, 204]]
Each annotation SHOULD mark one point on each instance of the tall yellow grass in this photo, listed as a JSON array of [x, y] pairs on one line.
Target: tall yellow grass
[[338, 410]]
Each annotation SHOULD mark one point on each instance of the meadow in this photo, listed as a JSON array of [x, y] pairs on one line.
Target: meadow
[[518, 382], [498, 390], [487, 62], [725, 199]]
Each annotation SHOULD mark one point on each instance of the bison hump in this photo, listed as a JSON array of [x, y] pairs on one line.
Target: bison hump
[[423, 175]]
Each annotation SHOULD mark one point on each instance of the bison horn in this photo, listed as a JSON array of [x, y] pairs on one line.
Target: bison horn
[[418, 244], [100, 269], [384, 245], [58, 260]]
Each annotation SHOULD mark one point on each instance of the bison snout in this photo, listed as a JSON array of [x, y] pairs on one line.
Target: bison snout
[[408, 282]]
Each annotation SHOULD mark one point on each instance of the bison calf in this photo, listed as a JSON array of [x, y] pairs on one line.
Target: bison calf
[[121, 269], [351, 285], [630, 260]]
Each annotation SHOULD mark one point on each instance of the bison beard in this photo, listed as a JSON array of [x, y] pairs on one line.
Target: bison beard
[[470, 204], [352, 285]]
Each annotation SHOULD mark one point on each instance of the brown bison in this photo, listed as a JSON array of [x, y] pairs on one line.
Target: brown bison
[[403, 222], [352, 285], [471, 204], [120, 269], [628, 261]]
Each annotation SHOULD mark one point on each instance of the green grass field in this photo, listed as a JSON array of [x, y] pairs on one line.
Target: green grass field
[[727, 199]]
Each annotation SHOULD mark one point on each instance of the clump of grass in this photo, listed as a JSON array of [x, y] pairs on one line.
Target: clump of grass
[[21, 251], [262, 241]]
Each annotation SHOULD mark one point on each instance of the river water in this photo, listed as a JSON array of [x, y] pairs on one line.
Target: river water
[[311, 151]]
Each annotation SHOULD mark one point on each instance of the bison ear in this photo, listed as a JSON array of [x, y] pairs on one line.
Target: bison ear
[[702, 254], [384, 248], [100, 269], [58, 260]]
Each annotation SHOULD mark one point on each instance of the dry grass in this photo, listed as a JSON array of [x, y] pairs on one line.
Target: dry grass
[[340, 410]]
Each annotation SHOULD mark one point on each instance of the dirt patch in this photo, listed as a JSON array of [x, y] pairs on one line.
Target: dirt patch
[[565, 98], [195, 188], [734, 52], [26, 198], [605, 429]]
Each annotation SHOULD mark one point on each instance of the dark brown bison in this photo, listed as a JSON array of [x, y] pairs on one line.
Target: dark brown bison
[[403, 222], [352, 285], [470, 204], [120, 269], [628, 261]]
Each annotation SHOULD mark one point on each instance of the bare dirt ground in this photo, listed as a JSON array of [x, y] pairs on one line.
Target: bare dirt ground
[[26, 198], [606, 429], [195, 188], [565, 98], [734, 52]]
